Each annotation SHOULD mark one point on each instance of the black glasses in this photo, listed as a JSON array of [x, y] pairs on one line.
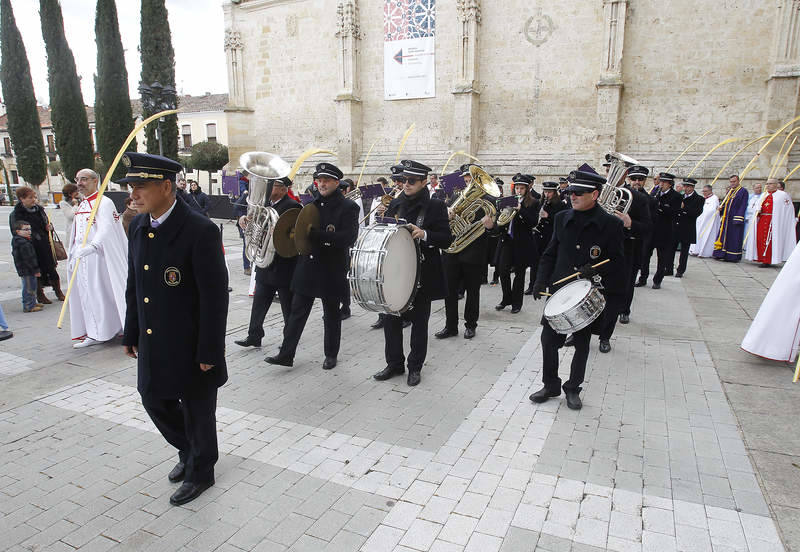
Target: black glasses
[[576, 194], [637, 179]]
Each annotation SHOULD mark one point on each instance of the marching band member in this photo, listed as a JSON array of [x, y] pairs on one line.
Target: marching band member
[[428, 221], [582, 236], [277, 277], [323, 273], [647, 241], [551, 204], [665, 209], [685, 225], [517, 248]]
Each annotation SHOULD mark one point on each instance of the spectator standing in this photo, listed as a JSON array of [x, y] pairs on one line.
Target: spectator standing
[[26, 263], [128, 215], [29, 211], [200, 197], [69, 206], [5, 333]]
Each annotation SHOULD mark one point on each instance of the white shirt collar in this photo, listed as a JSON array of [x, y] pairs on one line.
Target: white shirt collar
[[164, 217]]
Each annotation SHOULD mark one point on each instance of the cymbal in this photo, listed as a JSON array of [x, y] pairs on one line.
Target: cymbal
[[306, 220], [283, 235]]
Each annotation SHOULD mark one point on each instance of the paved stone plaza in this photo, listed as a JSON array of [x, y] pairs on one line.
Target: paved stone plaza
[[680, 444]]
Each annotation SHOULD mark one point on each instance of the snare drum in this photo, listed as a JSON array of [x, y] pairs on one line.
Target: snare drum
[[574, 307], [384, 269]]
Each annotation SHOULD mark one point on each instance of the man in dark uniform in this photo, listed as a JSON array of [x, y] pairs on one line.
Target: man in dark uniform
[[666, 207], [346, 186], [685, 230], [582, 237], [543, 231], [562, 190], [517, 249], [176, 279], [636, 223], [276, 277], [323, 273], [647, 240], [428, 222], [467, 268], [639, 230]]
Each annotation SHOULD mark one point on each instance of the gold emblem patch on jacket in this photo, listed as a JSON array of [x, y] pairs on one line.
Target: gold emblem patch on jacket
[[172, 276], [330, 228], [595, 251]]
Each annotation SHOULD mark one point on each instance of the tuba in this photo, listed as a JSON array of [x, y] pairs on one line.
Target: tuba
[[614, 198], [466, 206], [261, 168]]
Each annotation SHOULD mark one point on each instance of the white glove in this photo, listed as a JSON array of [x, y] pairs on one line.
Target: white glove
[[86, 251]]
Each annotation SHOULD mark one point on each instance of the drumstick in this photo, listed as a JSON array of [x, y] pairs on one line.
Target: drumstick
[[562, 280], [545, 294]]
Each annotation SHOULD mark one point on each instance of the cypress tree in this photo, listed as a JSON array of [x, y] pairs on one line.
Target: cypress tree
[[24, 127], [68, 112], [112, 103], [158, 65]]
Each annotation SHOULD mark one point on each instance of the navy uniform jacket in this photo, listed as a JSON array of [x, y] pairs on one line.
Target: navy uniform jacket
[[177, 298], [641, 222], [323, 273], [581, 237], [522, 245], [685, 220], [432, 282], [665, 209], [279, 273], [543, 231]]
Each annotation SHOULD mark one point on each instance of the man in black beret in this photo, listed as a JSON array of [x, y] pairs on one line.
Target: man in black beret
[[664, 210], [323, 273], [429, 224], [685, 229], [176, 279], [582, 236]]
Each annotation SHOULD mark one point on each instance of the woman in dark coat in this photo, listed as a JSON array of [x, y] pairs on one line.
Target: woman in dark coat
[[30, 211], [200, 197]]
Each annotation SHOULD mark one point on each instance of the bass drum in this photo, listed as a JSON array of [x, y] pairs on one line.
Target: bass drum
[[384, 269], [574, 307]]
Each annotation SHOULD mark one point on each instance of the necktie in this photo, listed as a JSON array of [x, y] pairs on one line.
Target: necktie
[[511, 228], [154, 223]]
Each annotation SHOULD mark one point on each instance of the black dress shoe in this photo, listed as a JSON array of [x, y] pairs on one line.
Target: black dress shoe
[[656, 286], [6, 334], [177, 473], [569, 341], [764, 265], [329, 363], [279, 360], [573, 400], [605, 346], [413, 379], [500, 306], [248, 342], [640, 283], [378, 324], [529, 291], [624, 318], [515, 310], [344, 315], [188, 492], [469, 333], [679, 274], [406, 323], [389, 372], [543, 394], [445, 332]]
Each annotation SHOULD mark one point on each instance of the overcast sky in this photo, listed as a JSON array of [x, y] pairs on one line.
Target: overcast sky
[[197, 36]]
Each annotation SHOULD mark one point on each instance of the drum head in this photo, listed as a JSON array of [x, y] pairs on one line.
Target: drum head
[[567, 297], [399, 269]]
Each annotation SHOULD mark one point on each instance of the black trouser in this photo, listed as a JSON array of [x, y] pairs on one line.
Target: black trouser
[[664, 258], [470, 275], [301, 308], [393, 334], [551, 343], [684, 257], [513, 293], [647, 254], [262, 299], [633, 263], [190, 426]]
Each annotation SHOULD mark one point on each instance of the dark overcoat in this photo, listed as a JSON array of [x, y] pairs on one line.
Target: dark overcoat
[[177, 303], [519, 250], [323, 273], [543, 230], [686, 219], [279, 273], [665, 208], [433, 285]]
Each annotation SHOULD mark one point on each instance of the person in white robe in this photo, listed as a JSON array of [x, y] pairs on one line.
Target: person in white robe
[[97, 305], [781, 234], [775, 331], [707, 225], [752, 205]]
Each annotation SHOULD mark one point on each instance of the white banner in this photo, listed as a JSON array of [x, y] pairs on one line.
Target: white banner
[[409, 61]]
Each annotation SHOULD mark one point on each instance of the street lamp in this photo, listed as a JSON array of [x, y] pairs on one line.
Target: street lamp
[[157, 97]]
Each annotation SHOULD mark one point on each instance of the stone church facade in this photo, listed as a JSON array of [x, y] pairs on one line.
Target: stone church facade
[[523, 85]]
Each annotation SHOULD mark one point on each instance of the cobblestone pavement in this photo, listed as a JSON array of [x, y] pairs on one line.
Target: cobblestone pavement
[[314, 460]]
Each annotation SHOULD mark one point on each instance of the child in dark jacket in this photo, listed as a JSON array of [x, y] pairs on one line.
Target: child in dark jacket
[[27, 266]]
